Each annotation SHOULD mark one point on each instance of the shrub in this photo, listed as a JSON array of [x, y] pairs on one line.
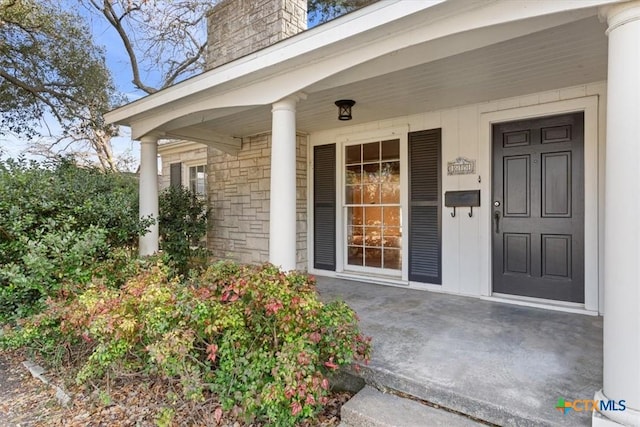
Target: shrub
[[257, 337], [182, 224], [57, 222]]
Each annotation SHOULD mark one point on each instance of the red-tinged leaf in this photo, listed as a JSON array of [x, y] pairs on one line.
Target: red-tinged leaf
[[329, 364], [296, 408], [315, 337], [234, 297], [310, 399], [325, 384], [212, 351]]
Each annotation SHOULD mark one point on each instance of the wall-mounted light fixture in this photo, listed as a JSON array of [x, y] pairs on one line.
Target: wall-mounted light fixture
[[344, 108]]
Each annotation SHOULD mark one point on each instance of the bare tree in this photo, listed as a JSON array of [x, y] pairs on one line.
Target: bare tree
[[165, 40]]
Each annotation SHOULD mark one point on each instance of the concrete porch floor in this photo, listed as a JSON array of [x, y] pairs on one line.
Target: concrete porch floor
[[501, 363]]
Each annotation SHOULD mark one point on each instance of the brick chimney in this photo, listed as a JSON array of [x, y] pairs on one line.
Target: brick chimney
[[236, 28]]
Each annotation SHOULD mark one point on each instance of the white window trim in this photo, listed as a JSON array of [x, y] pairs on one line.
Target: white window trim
[[397, 132], [187, 165], [387, 272]]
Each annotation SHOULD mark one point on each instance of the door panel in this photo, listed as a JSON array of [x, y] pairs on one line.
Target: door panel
[[517, 249], [538, 212], [516, 186], [556, 185], [556, 256]]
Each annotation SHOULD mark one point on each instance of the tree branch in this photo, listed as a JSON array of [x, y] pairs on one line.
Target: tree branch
[[32, 90], [182, 67], [116, 22]]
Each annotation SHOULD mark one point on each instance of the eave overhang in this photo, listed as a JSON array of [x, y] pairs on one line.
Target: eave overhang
[[410, 33]]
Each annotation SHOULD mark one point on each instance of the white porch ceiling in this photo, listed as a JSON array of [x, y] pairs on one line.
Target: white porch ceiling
[[567, 55]]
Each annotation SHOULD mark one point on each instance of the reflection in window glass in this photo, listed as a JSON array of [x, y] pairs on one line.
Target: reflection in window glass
[[372, 198]]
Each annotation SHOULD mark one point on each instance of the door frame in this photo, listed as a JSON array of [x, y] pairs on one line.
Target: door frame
[[592, 128]]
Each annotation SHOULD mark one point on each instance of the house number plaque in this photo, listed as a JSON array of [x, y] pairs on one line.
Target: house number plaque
[[461, 166]]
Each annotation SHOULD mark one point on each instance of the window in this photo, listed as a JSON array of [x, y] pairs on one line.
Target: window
[[198, 180], [372, 202]]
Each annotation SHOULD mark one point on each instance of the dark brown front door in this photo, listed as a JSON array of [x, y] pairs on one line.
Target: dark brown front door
[[538, 208]]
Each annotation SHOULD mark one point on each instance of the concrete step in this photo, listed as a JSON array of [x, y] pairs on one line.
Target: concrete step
[[372, 408]]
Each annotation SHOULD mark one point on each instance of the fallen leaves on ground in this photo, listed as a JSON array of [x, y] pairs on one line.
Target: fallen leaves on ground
[[130, 401]]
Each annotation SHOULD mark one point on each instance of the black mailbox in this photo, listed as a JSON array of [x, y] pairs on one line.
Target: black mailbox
[[459, 199]]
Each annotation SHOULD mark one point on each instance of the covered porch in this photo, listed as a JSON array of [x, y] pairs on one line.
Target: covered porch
[[500, 363], [457, 67]]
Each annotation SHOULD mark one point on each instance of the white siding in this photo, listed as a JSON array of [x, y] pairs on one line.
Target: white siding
[[466, 132]]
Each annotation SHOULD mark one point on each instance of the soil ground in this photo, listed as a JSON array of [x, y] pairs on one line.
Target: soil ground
[[136, 401]]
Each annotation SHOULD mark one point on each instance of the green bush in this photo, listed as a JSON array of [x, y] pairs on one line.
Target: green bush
[[57, 223], [182, 224], [258, 338]]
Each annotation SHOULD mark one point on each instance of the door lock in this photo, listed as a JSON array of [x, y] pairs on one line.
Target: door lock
[[496, 203]]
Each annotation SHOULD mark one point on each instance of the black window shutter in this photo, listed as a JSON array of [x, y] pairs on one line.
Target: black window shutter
[[425, 210], [324, 207], [175, 174]]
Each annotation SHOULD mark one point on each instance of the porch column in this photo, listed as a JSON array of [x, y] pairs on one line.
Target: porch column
[[148, 243], [282, 213], [621, 336]]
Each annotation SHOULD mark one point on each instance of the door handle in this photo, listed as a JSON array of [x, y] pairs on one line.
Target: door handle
[[496, 217]]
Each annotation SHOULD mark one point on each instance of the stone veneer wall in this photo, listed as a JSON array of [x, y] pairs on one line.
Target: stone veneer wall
[[239, 202], [236, 28]]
